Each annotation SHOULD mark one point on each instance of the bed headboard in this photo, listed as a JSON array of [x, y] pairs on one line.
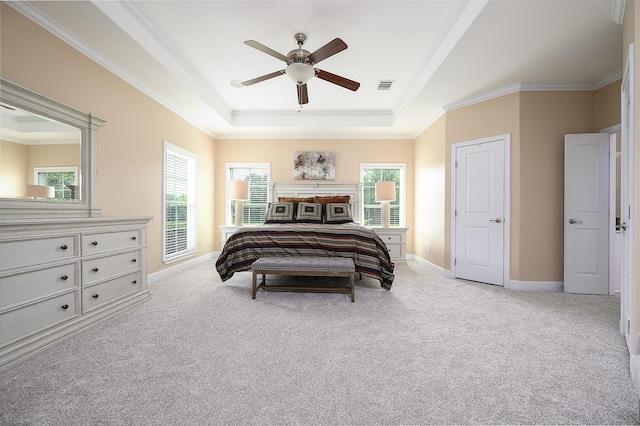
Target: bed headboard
[[321, 188]]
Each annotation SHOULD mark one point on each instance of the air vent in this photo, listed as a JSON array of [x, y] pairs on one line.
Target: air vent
[[385, 84]]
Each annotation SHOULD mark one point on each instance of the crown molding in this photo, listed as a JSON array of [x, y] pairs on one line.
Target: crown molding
[[311, 135], [535, 87]]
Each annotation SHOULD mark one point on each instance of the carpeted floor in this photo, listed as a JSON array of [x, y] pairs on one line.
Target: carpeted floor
[[430, 351]]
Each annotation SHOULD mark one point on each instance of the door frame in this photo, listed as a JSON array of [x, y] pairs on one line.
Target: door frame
[[613, 168], [628, 302], [506, 140]]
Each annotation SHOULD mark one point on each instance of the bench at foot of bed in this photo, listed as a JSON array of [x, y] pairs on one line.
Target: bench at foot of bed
[[304, 266]]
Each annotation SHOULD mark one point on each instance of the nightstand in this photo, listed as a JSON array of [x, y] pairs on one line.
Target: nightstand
[[396, 240], [227, 231]]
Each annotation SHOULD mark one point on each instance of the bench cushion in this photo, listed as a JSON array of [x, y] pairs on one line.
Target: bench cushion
[[304, 264]]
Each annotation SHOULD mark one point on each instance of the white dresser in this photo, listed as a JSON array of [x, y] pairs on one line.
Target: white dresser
[[59, 276], [396, 240]]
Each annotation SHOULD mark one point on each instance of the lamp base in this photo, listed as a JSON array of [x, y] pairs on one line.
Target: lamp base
[[386, 214], [239, 213]]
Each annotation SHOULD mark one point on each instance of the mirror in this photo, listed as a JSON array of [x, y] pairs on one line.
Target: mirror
[[48, 155], [37, 153]]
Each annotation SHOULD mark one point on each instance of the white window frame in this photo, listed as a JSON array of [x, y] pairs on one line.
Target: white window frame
[[58, 169], [402, 204], [192, 240], [228, 201]]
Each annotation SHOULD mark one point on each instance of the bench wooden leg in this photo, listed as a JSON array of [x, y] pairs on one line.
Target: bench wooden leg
[[253, 285], [353, 292]]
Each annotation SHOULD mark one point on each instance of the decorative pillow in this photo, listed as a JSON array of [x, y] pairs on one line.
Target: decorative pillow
[[338, 213], [280, 213], [342, 199], [309, 212], [295, 200]]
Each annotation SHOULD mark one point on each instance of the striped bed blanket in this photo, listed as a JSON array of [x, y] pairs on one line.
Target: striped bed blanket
[[364, 246]]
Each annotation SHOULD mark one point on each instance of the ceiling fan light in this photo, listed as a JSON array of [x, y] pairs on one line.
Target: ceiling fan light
[[300, 72]]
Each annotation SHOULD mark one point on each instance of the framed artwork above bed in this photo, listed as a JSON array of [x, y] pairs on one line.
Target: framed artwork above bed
[[314, 166]]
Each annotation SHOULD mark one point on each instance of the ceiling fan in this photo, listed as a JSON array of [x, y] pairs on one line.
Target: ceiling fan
[[300, 64]]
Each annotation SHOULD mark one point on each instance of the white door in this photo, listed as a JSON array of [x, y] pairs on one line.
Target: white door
[[479, 211], [586, 213]]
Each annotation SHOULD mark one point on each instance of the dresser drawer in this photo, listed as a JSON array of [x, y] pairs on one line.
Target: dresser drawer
[[395, 250], [39, 283], [102, 268], [391, 238], [108, 241], [32, 251], [100, 294], [33, 317]]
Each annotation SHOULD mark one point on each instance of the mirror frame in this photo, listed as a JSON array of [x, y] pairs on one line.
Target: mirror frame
[[28, 100]]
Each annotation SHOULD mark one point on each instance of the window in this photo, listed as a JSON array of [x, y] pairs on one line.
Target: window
[[370, 173], [180, 203], [257, 174], [63, 179]]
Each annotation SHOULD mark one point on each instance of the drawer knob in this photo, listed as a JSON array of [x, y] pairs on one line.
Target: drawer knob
[[65, 307], [134, 238], [134, 260], [63, 247], [94, 243], [95, 296], [95, 269], [64, 277], [134, 282]]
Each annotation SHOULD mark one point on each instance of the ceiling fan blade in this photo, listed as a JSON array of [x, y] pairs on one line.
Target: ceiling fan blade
[[261, 47], [262, 78], [329, 49], [336, 79], [303, 95]]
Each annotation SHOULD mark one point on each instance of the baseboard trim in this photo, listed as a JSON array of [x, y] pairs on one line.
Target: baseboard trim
[[557, 286], [426, 263], [160, 275]]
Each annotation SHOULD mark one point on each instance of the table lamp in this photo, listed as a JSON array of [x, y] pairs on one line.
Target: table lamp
[[239, 191], [40, 191], [385, 192]]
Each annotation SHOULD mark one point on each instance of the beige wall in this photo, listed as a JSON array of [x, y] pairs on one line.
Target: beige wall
[[607, 105], [430, 178], [13, 169], [68, 155], [280, 153], [130, 143], [545, 118]]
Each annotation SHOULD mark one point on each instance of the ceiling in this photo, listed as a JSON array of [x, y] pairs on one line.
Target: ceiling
[[439, 55]]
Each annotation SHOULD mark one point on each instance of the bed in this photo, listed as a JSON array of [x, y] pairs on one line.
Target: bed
[[285, 238]]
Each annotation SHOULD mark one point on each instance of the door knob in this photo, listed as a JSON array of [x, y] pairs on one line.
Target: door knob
[[572, 221], [498, 220], [622, 226]]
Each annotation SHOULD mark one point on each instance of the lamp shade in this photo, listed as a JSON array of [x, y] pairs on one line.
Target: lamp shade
[[239, 190], [385, 191], [40, 191]]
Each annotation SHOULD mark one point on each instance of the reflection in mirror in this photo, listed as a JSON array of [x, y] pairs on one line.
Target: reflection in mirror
[[39, 157]]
